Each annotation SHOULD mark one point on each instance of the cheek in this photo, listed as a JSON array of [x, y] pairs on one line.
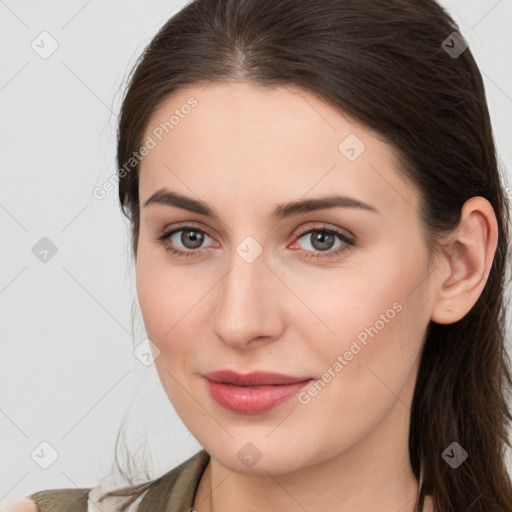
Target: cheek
[[162, 305], [354, 305], [163, 300], [154, 299], [374, 322], [173, 313], [365, 370]]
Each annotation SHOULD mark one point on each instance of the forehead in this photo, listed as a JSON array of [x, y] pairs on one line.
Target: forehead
[[280, 143]]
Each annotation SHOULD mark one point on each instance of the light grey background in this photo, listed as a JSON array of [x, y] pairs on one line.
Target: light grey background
[[67, 369]]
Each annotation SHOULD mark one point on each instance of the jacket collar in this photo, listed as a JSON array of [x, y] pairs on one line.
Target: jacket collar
[[175, 491]]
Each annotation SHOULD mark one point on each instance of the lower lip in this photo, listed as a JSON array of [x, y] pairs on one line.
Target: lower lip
[[252, 400]]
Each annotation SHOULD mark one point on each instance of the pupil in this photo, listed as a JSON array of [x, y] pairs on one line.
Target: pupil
[[193, 236], [322, 237]]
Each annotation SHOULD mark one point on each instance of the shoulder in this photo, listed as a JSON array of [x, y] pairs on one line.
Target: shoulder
[[55, 500], [178, 486], [24, 505]]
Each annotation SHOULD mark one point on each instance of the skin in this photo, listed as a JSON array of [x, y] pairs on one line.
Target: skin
[[23, 505], [244, 149]]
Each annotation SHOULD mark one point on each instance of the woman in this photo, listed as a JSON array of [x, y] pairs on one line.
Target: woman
[[321, 239]]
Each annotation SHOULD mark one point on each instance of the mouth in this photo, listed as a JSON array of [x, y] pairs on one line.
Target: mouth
[[252, 393]]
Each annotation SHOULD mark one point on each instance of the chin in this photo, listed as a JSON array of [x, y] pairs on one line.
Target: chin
[[262, 456]]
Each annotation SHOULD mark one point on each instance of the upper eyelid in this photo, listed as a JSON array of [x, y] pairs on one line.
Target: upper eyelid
[[325, 227], [177, 229]]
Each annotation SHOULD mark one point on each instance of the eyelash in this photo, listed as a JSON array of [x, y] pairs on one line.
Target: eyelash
[[162, 240]]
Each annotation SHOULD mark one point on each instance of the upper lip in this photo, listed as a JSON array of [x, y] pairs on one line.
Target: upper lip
[[253, 379]]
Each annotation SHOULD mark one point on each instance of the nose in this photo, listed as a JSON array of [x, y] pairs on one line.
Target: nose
[[248, 308]]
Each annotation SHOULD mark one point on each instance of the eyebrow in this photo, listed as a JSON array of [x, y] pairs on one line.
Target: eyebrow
[[288, 209]]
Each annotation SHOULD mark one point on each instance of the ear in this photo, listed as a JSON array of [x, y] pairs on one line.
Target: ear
[[465, 261]]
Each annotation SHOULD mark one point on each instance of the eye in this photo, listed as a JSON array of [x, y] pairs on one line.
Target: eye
[[191, 238], [321, 240]]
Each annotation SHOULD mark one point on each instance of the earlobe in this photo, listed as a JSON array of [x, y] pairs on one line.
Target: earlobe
[[467, 255]]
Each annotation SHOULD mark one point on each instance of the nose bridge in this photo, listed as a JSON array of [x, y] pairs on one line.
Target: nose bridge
[[246, 307]]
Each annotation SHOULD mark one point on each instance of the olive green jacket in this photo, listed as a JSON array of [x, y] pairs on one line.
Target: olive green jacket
[[173, 492]]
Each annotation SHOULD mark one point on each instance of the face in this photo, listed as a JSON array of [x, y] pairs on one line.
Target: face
[[338, 295]]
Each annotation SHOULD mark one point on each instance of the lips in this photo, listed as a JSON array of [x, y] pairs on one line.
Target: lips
[[253, 379], [252, 393]]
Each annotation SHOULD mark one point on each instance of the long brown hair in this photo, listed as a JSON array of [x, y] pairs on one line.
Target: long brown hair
[[387, 64]]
